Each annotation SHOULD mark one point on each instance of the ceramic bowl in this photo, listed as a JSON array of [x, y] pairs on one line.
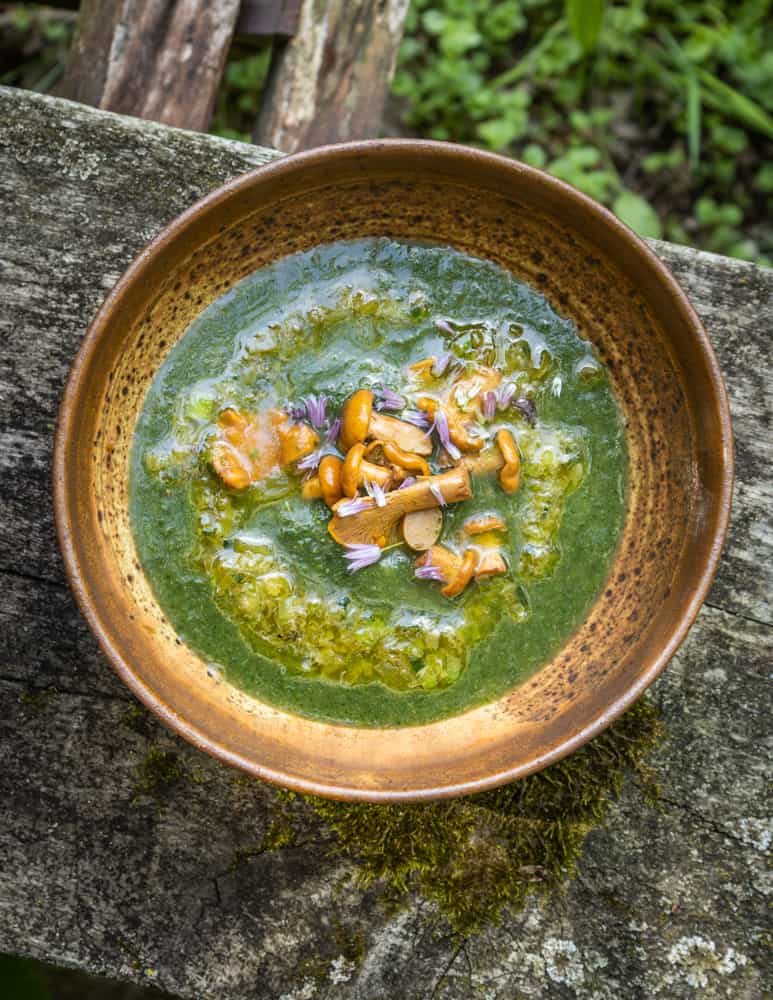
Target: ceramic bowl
[[593, 270]]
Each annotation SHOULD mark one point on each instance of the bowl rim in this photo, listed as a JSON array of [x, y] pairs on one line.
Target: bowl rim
[[329, 154]]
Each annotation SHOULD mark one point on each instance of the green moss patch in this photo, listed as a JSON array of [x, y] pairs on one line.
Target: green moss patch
[[158, 772], [475, 856]]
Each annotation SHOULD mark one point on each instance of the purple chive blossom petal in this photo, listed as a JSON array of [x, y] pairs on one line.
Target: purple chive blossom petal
[[437, 493], [297, 412], [506, 393], [489, 404], [316, 409], [527, 408], [374, 490], [408, 481], [333, 431], [428, 571], [353, 506], [310, 461], [360, 556], [441, 426], [440, 364], [388, 399], [445, 327], [418, 418]]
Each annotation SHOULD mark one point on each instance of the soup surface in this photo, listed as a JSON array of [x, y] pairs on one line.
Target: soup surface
[[378, 483]]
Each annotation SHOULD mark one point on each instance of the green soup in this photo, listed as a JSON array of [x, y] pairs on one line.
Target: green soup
[[248, 572]]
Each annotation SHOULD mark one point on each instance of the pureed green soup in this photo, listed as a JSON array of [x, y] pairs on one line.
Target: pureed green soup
[[239, 437]]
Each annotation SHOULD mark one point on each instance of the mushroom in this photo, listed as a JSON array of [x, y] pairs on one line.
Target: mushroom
[[359, 421], [457, 430], [356, 470], [413, 463], [488, 461], [490, 563], [510, 473], [457, 571], [482, 523], [421, 528], [298, 440], [472, 389], [444, 560], [327, 483], [247, 448], [466, 572], [372, 523]]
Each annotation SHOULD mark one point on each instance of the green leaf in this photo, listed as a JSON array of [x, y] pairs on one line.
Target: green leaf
[[637, 213], [499, 132], [734, 103], [693, 119], [585, 19]]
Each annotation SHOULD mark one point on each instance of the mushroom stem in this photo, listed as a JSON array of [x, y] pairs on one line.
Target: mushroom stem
[[374, 523], [491, 564], [413, 463], [510, 474], [466, 572], [356, 470]]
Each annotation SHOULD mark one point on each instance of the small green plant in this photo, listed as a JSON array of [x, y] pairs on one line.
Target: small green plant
[[661, 111]]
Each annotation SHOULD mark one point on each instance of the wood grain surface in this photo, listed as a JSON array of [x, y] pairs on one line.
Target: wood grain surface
[[159, 59], [329, 83], [667, 903]]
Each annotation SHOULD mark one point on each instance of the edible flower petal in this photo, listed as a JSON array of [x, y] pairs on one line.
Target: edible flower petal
[[418, 418], [373, 489], [437, 493], [489, 404], [527, 408], [350, 507], [408, 481], [506, 393], [441, 426], [440, 364], [360, 556], [333, 431], [310, 461], [388, 399], [316, 409], [429, 571]]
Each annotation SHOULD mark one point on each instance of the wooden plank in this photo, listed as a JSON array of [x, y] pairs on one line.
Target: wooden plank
[[330, 82], [100, 877], [162, 59], [262, 18]]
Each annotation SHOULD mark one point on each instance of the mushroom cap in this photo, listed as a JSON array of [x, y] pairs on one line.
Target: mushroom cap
[[355, 419], [330, 478], [350, 473]]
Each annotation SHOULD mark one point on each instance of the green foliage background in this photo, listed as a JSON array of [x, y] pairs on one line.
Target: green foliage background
[[661, 110]]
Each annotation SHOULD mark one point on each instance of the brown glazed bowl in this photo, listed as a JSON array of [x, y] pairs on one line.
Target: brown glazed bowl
[[593, 270]]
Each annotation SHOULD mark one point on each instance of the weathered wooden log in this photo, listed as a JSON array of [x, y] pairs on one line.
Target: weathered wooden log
[[330, 81], [161, 59], [195, 893]]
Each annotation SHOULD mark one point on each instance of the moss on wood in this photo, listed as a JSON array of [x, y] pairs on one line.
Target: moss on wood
[[478, 855]]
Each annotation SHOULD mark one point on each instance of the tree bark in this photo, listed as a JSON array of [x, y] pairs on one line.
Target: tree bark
[[156, 59], [330, 81]]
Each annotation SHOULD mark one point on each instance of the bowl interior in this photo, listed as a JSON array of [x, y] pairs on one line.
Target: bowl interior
[[592, 270]]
